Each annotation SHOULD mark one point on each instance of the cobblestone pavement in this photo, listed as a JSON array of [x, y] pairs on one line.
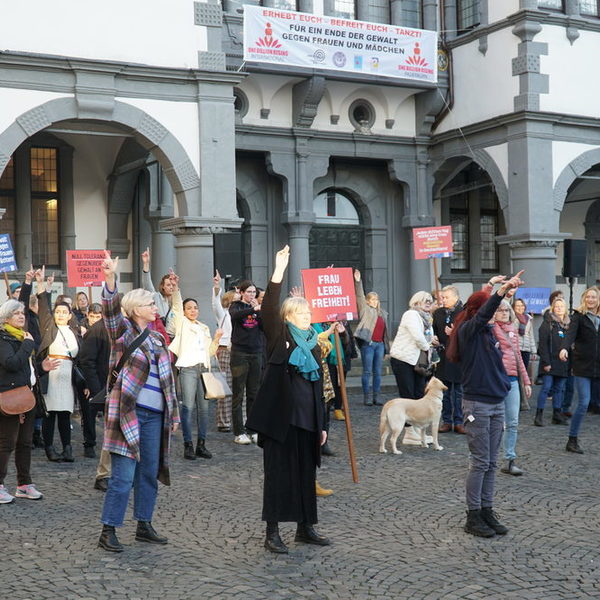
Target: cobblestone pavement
[[397, 534]]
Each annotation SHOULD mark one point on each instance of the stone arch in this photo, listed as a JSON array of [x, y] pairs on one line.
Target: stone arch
[[447, 168], [570, 173], [150, 134]]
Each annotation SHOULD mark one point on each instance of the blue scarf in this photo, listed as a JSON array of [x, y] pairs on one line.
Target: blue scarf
[[301, 357]]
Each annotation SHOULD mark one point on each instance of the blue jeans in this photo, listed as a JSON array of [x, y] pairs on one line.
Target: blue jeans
[[484, 434], [584, 392], [512, 403], [452, 404], [568, 397], [142, 476], [557, 385], [192, 395], [372, 360]]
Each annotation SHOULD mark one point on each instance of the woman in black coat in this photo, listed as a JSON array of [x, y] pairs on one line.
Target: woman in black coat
[[554, 371], [16, 370], [288, 414]]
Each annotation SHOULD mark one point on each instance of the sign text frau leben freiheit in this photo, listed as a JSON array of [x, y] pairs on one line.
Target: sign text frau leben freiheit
[[330, 294], [286, 37]]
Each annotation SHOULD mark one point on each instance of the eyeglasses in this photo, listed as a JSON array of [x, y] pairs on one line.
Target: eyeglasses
[[503, 310], [147, 305]]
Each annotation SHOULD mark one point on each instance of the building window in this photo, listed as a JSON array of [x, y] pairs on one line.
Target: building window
[[488, 230], [7, 200], [281, 4], [345, 9], [379, 11], [44, 206], [467, 14], [551, 4], [590, 8], [333, 208], [240, 105], [459, 220], [362, 115]]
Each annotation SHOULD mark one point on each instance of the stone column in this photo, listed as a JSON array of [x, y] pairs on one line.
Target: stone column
[[23, 246], [195, 261], [430, 12], [163, 243], [66, 204]]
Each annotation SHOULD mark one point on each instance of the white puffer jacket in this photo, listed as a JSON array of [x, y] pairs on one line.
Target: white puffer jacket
[[410, 338]]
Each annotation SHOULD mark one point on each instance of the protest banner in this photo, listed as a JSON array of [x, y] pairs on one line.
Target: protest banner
[[330, 294], [432, 242], [84, 268], [8, 262], [536, 299], [290, 38]]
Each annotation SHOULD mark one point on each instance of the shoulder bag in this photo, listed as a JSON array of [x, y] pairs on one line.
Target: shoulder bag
[[100, 397], [77, 377], [17, 401], [215, 384]]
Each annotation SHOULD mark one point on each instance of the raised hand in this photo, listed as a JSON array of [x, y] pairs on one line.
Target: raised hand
[[282, 258], [217, 280], [40, 274], [296, 292], [146, 259], [356, 275], [514, 282], [174, 278], [110, 268], [30, 275]]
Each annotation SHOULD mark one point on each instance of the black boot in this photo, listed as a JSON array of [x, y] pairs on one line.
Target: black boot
[[67, 455], [573, 446], [89, 452], [273, 542], [475, 525], [52, 455], [491, 519], [539, 418], [188, 451], [108, 539], [146, 533], [201, 449], [37, 440], [558, 418], [326, 450], [307, 534], [367, 399]]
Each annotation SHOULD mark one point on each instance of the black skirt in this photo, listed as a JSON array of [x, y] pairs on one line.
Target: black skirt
[[290, 472]]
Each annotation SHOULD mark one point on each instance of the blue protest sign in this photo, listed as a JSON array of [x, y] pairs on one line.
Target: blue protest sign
[[536, 299], [7, 254]]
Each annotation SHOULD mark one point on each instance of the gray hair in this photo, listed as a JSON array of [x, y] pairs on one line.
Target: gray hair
[[419, 298], [8, 309], [292, 305], [506, 304], [451, 288], [134, 299]]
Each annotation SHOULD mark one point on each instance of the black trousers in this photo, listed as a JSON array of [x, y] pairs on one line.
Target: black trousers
[[64, 427], [290, 472], [410, 383], [16, 436], [246, 371]]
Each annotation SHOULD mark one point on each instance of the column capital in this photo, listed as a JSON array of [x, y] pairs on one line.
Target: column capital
[[199, 225], [532, 240]]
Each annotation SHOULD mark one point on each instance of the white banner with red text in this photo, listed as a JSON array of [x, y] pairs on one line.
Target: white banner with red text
[[291, 38]]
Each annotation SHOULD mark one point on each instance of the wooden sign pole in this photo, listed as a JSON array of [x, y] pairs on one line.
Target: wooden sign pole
[[7, 284], [342, 384], [436, 278], [89, 295]]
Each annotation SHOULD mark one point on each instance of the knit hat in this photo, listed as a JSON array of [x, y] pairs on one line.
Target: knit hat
[[14, 286]]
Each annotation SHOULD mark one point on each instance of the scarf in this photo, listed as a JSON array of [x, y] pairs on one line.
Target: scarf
[[427, 324], [523, 320], [563, 323], [301, 357], [15, 332]]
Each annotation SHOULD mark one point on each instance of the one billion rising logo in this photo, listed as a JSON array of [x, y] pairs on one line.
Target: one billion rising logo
[[268, 41], [416, 59]]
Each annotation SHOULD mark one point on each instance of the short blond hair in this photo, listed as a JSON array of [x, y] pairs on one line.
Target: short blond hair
[[292, 305], [419, 298], [134, 299]]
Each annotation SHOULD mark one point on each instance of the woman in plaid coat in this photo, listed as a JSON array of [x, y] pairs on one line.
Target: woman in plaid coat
[[141, 412]]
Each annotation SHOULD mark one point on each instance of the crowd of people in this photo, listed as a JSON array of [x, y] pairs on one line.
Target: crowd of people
[[141, 360]]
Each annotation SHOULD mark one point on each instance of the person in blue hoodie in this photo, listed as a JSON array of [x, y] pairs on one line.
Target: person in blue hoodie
[[485, 385]]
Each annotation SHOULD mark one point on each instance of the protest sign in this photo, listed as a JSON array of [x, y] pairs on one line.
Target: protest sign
[[84, 268], [536, 299], [330, 294], [287, 38], [432, 242], [8, 262]]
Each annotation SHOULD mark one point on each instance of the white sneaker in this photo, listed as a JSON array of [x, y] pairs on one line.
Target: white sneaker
[[242, 439], [5, 497], [255, 438], [29, 491]]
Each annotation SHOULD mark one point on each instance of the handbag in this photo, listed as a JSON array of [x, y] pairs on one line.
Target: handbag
[[77, 377], [17, 401], [424, 366], [215, 384], [100, 397]]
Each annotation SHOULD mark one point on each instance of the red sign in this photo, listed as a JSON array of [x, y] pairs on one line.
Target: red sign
[[330, 294], [432, 242], [84, 268]]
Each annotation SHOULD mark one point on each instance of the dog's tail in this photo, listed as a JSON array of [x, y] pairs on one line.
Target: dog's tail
[[383, 421]]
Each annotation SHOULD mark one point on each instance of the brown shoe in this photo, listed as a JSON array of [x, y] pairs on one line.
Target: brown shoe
[[459, 429], [445, 428]]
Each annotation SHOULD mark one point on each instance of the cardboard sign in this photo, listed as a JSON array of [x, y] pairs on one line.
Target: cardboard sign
[[84, 268], [432, 242], [536, 299], [330, 294], [8, 262]]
